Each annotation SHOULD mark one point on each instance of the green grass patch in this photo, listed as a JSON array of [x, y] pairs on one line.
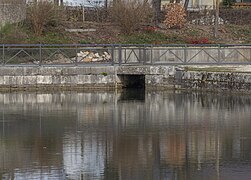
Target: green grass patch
[[241, 32], [13, 34], [22, 34], [6, 29], [49, 38], [194, 32], [104, 73]]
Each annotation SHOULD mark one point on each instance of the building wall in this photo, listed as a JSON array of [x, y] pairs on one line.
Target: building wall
[[196, 4]]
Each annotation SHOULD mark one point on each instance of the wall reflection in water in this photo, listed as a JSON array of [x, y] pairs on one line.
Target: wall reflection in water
[[105, 135]]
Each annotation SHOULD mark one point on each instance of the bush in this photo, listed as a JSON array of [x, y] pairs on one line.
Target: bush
[[175, 15], [43, 14], [129, 15]]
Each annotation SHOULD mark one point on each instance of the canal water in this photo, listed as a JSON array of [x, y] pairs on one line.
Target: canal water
[[125, 135]]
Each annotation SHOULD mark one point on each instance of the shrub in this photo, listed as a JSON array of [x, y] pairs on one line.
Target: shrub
[[129, 15], [175, 15], [43, 14]]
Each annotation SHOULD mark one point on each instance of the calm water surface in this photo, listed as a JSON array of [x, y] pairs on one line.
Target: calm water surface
[[126, 135]]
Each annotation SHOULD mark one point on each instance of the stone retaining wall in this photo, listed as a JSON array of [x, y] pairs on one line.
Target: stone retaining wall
[[220, 81], [54, 77], [156, 77], [12, 13]]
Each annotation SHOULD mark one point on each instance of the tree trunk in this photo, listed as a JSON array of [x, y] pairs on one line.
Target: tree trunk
[[106, 4], [186, 4], [157, 10]]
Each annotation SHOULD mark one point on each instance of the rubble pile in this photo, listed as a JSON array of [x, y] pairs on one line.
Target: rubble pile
[[82, 57], [207, 20], [88, 56]]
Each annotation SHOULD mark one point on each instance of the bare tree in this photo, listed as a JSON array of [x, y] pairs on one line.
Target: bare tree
[[186, 4], [57, 2]]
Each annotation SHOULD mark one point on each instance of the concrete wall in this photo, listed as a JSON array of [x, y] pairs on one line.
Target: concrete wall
[[108, 77]]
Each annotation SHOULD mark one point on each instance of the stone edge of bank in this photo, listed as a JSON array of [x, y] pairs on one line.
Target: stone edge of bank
[[108, 77]]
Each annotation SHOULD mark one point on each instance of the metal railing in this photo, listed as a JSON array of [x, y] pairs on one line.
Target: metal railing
[[117, 54]]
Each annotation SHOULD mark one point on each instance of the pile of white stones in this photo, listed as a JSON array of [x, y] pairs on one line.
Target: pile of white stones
[[88, 56], [208, 20]]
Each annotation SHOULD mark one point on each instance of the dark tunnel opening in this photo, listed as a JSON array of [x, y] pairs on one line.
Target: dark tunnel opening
[[132, 81]]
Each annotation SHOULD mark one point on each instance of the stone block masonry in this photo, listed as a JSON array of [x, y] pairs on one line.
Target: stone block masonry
[[56, 77], [219, 81], [110, 77], [103, 77]]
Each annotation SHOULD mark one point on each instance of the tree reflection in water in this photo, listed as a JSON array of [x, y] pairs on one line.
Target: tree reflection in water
[[103, 135]]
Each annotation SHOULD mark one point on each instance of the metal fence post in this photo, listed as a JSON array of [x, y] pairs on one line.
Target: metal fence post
[[112, 55], [219, 54], [120, 55], [144, 54], [185, 54], [151, 54], [250, 56], [40, 54], [76, 55], [3, 55]]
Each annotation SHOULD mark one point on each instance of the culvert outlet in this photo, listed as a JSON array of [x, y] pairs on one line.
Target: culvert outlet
[[132, 81]]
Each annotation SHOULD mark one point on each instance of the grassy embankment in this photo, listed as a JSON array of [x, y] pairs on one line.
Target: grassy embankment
[[110, 34]]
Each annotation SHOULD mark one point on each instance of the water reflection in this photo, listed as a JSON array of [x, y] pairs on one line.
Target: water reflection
[[102, 135]]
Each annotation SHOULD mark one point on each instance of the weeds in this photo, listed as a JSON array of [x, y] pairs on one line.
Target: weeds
[[104, 73]]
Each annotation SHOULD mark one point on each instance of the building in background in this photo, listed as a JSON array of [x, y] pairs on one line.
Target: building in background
[[195, 4]]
